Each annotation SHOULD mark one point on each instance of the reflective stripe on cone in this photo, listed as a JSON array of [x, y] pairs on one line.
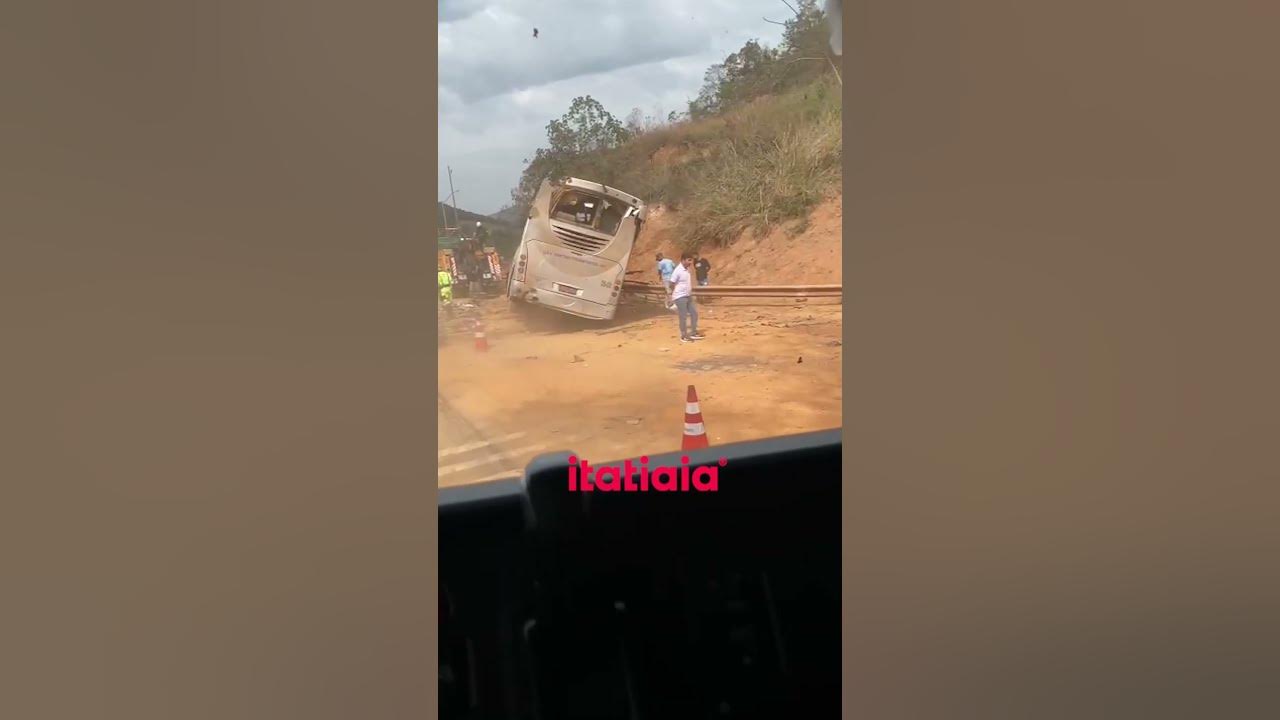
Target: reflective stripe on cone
[[695, 432]]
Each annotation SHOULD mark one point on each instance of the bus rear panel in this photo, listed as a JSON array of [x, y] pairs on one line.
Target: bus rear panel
[[574, 251]]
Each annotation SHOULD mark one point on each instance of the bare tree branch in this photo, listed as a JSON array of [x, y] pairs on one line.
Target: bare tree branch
[[797, 12], [775, 22]]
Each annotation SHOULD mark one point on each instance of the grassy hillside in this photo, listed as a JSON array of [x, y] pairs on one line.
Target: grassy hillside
[[759, 147], [766, 162]]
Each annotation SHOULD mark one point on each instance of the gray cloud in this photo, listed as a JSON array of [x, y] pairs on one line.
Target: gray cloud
[[494, 51], [497, 90], [454, 10]]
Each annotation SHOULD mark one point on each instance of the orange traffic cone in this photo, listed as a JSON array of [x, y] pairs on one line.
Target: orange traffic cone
[[695, 433], [482, 344]]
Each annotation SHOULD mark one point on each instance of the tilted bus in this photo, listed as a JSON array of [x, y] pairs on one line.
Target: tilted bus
[[574, 250]]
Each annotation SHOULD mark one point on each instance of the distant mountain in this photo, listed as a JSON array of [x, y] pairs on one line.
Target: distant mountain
[[467, 219], [510, 215], [503, 231]]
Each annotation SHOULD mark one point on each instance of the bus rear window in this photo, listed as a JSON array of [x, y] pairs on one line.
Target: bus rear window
[[589, 211]]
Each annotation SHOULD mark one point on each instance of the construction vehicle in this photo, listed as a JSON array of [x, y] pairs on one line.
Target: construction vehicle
[[446, 261], [491, 271], [486, 265]]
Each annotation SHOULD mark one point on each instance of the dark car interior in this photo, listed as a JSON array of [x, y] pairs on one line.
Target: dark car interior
[[558, 604]]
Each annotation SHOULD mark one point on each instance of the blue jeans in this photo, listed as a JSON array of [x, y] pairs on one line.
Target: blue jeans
[[687, 308]]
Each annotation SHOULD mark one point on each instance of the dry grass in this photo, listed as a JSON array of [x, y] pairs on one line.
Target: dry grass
[[757, 182], [765, 163]]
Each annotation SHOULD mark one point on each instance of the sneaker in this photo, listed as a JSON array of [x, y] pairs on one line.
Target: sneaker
[[697, 336], [685, 340]]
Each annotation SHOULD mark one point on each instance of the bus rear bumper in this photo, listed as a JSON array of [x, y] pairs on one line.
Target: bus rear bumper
[[564, 303]]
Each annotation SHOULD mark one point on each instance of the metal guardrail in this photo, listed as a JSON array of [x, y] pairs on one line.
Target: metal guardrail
[[743, 291]]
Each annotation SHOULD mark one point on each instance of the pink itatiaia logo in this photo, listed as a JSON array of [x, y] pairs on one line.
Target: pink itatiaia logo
[[630, 478]]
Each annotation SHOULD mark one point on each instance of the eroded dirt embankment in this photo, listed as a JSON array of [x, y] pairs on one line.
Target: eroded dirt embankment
[[786, 255]]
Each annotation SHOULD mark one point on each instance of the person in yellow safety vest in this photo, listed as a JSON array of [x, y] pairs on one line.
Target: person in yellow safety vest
[[445, 280]]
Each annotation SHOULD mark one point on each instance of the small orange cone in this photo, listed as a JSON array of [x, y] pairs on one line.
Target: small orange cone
[[482, 344], [695, 433]]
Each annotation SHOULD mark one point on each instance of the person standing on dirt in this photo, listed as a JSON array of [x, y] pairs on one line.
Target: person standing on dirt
[[665, 268], [681, 285], [473, 277], [477, 258], [469, 247], [445, 281], [702, 270]]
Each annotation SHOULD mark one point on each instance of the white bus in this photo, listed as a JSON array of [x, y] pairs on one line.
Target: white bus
[[574, 251]]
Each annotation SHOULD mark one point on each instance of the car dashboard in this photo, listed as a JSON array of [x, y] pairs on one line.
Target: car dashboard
[[724, 604]]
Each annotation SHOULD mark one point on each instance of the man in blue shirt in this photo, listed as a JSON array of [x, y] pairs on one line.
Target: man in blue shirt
[[665, 268]]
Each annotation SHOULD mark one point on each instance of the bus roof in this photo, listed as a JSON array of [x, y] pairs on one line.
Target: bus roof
[[601, 187]]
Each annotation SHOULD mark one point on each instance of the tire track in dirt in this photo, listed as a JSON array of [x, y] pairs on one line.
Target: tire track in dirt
[[469, 455]]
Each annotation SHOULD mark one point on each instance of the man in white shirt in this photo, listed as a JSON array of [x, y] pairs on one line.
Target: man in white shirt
[[681, 284]]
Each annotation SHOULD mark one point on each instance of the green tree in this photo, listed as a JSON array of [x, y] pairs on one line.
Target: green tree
[[805, 45], [748, 73], [756, 69], [635, 121], [708, 100], [575, 142], [586, 127]]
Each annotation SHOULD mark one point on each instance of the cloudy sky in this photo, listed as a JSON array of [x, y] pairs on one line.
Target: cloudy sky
[[498, 87]]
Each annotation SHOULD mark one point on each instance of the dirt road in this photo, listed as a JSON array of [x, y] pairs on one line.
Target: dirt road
[[550, 382], [467, 454]]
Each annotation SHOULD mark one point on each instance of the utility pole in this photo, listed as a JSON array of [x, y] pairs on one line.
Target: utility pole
[[453, 203]]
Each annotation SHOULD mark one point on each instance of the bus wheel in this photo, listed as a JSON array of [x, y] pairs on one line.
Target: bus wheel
[[520, 308]]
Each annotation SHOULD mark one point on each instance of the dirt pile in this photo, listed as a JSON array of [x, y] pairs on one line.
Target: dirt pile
[[786, 255]]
